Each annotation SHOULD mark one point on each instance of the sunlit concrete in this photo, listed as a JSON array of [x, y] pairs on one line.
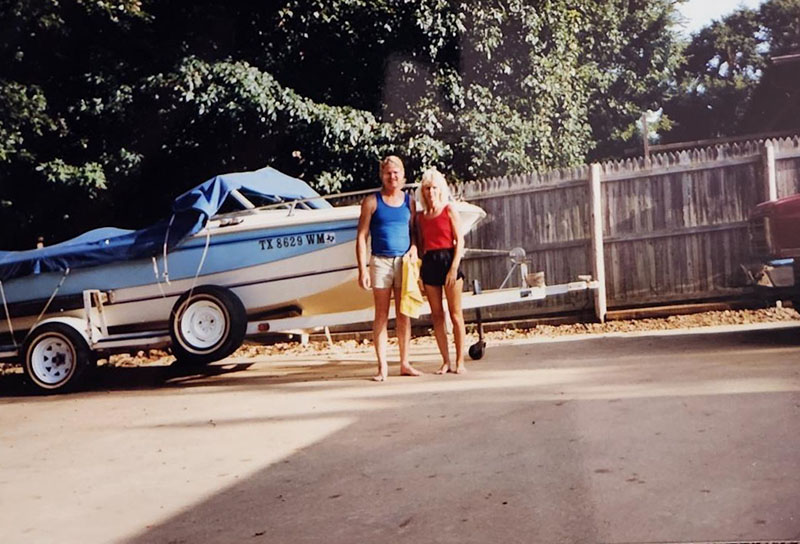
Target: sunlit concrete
[[627, 439]]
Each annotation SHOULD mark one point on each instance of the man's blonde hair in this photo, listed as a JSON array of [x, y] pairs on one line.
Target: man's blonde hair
[[389, 160], [432, 176]]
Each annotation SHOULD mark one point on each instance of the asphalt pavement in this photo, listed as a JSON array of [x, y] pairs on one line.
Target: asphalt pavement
[[626, 439]]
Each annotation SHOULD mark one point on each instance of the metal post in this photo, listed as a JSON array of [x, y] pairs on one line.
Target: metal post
[[598, 258], [645, 139], [770, 181]]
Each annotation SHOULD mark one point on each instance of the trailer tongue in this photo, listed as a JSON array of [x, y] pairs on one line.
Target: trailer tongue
[[61, 349]]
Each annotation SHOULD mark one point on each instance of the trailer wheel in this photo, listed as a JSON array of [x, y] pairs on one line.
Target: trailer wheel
[[56, 358], [476, 350], [207, 324]]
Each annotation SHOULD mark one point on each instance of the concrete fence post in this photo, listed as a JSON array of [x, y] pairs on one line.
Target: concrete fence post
[[598, 259], [770, 182]]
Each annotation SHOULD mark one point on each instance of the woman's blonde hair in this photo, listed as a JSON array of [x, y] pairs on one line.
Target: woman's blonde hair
[[432, 176]]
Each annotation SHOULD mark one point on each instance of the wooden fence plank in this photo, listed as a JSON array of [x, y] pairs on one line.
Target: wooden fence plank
[[676, 231]]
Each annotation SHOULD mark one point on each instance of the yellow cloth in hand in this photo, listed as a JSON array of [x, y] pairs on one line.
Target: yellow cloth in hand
[[411, 300]]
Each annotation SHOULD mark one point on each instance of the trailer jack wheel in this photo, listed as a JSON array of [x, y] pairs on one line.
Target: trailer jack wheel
[[477, 349]]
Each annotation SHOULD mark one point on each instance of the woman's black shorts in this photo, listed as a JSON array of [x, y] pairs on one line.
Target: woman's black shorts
[[435, 266]]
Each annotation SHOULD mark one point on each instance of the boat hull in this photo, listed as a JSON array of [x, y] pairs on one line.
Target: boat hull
[[267, 268], [276, 264]]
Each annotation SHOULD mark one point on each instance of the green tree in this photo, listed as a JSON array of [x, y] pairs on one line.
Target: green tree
[[727, 85], [506, 86], [636, 52], [109, 108]]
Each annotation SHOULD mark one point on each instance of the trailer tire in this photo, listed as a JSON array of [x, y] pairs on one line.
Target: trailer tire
[[55, 358], [206, 324]]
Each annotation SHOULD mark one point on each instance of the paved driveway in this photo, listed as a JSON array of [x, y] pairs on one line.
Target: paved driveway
[[627, 439]]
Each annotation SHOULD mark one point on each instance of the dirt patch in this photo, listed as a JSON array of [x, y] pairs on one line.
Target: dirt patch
[[704, 319], [688, 321]]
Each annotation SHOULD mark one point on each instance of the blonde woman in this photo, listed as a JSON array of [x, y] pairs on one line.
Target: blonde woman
[[442, 245]]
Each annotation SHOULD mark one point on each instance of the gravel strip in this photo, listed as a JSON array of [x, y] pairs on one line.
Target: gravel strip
[[688, 321]]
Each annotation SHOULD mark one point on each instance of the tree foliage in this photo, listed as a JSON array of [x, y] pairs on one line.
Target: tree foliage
[[110, 108], [506, 86], [728, 85]]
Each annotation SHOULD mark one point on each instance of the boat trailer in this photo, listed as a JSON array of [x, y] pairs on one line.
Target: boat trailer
[[57, 345], [532, 287]]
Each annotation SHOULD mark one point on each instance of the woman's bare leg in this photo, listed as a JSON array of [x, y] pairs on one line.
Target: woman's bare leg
[[453, 294], [434, 294]]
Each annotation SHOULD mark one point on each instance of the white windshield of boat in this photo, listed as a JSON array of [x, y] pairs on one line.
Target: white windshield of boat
[[241, 199], [346, 198], [247, 206]]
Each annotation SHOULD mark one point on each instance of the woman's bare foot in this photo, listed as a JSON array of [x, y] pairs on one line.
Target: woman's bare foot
[[461, 369], [383, 373], [410, 371], [444, 369]]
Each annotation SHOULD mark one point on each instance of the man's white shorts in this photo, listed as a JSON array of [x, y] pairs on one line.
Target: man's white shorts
[[386, 272]]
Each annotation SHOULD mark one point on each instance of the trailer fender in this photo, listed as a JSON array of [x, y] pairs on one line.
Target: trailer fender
[[74, 322]]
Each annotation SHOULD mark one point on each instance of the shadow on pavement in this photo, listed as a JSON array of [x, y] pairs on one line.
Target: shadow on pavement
[[566, 446], [238, 372], [604, 440], [223, 374], [431, 468]]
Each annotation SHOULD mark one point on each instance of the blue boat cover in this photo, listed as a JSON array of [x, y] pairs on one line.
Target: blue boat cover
[[191, 211]]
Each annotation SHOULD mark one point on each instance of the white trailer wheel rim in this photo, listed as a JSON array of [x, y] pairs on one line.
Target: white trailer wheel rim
[[203, 325], [52, 359]]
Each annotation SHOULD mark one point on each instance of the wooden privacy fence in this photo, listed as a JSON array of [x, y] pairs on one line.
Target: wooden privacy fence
[[672, 229]]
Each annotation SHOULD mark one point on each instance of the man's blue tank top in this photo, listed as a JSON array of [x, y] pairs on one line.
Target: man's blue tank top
[[389, 228]]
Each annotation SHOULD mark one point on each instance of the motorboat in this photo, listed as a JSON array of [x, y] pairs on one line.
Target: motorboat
[[239, 249]]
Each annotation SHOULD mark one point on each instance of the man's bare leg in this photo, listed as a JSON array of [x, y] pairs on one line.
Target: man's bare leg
[[403, 329], [382, 298]]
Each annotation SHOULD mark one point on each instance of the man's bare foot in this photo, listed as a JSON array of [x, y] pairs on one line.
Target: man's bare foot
[[461, 369], [444, 369], [379, 378], [410, 371]]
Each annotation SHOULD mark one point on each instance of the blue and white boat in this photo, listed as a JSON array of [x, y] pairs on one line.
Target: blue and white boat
[[194, 281]]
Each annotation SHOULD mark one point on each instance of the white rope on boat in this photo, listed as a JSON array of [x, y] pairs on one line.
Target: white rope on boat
[[8, 315], [158, 279], [166, 240], [202, 260], [166, 270], [46, 306]]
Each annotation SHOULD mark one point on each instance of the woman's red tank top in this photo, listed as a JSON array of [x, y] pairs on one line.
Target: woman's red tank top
[[437, 232]]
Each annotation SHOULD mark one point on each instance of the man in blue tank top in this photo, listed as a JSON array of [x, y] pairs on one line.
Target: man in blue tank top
[[387, 216]]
